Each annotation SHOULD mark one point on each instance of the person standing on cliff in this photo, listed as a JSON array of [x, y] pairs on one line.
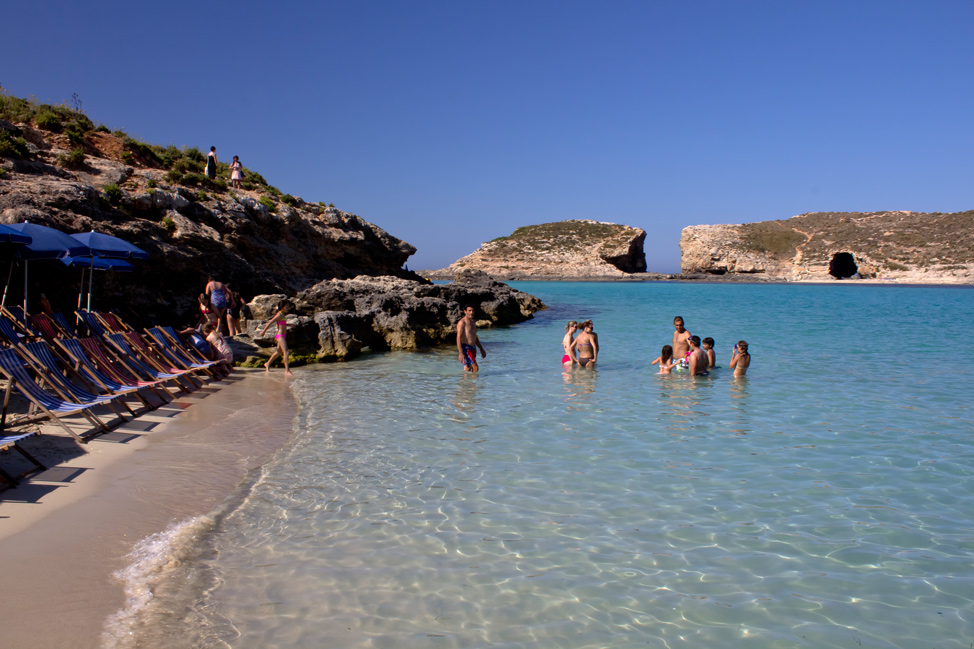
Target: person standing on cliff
[[236, 172], [468, 341], [211, 163]]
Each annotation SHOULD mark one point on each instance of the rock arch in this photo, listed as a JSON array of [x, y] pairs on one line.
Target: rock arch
[[843, 265]]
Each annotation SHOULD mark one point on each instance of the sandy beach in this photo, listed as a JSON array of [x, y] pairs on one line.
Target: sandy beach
[[66, 531]]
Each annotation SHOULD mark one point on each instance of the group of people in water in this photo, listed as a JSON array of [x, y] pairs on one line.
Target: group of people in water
[[582, 348], [687, 351]]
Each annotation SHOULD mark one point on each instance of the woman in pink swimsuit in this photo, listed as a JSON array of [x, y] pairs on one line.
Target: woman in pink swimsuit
[[279, 319]]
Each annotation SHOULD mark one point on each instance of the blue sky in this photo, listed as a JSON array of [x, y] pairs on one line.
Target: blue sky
[[453, 123]]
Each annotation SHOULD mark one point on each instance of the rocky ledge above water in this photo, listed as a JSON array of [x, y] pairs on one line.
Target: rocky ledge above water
[[909, 247], [335, 320], [575, 249]]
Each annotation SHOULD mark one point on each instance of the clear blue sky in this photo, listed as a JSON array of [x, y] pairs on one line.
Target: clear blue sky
[[452, 123]]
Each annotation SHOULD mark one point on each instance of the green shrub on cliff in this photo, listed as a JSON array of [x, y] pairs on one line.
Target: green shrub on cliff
[[47, 120], [15, 109], [75, 159], [287, 199], [267, 202], [12, 146], [113, 193]]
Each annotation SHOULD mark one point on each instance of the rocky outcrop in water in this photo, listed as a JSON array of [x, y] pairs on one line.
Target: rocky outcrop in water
[[336, 319], [576, 249], [898, 246]]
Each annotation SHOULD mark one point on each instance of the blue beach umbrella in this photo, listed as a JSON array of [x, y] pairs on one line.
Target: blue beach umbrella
[[9, 235], [105, 245], [46, 243], [92, 264]]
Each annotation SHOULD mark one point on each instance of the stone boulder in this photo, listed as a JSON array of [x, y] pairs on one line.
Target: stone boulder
[[336, 319]]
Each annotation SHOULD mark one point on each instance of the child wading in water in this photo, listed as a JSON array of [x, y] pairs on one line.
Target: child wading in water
[[280, 319], [665, 360], [566, 342], [740, 359], [708, 346]]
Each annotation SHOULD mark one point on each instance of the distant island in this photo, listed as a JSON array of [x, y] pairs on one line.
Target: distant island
[[908, 247], [573, 249]]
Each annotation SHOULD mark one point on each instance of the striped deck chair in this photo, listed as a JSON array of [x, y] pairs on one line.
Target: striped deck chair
[[116, 369], [82, 364], [14, 369], [8, 334], [88, 319], [192, 352], [19, 317], [112, 322], [40, 354], [12, 442], [62, 321], [160, 360], [46, 326], [142, 364], [176, 354]]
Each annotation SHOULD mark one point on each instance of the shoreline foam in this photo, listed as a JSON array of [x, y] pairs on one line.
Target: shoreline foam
[[63, 543]]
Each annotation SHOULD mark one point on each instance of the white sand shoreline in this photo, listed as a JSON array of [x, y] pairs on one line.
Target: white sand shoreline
[[64, 532]]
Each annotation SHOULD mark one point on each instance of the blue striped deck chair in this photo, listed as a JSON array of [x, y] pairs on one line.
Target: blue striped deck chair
[[50, 367], [17, 314], [111, 365], [8, 334], [87, 369], [158, 359], [95, 327], [62, 321], [140, 364], [15, 371], [188, 349], [175, 354], [13, 442]]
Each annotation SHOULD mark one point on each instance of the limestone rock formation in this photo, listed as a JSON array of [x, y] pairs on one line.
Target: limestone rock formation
[[336, 319], [896, 246], [564, 249]]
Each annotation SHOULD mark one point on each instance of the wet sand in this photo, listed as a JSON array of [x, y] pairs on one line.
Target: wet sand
[[64, 532]]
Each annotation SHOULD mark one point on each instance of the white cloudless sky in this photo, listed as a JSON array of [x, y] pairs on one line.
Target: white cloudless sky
[[453, 123]]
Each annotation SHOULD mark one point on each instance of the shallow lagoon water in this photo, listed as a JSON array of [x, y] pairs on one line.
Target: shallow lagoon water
[[821, 501]]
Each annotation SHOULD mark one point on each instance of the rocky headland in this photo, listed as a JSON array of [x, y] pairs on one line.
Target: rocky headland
[[908, 247], [575, 249], [58, 169]]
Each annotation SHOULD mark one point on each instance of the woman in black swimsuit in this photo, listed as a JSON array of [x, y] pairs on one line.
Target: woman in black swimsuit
[[586, 345]]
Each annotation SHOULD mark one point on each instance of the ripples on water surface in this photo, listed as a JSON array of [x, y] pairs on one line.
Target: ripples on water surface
[[821, 501]]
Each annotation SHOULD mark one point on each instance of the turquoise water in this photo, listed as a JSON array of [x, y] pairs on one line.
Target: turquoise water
[[821, 501]]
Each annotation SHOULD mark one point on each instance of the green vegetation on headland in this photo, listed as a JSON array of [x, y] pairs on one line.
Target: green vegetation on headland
[[183, 165], [577, 235]]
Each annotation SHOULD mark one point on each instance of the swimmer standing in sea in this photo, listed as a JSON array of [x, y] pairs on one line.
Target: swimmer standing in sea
[[467, 339], [585, 347], [568, 360]]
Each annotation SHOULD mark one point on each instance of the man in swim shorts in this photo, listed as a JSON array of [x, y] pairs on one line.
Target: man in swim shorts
[[468, 341], [680, 346], [698, 361]]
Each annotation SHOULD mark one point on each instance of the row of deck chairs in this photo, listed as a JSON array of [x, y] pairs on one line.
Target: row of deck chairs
[[63, 370]]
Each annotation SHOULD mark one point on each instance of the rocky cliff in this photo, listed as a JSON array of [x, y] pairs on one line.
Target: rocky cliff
[[255, 238], [898, 246], [564, 249], [58, 169]]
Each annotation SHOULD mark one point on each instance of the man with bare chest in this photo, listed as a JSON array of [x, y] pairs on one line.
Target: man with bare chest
[[468, 341], [698, 362], [680, 336]]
